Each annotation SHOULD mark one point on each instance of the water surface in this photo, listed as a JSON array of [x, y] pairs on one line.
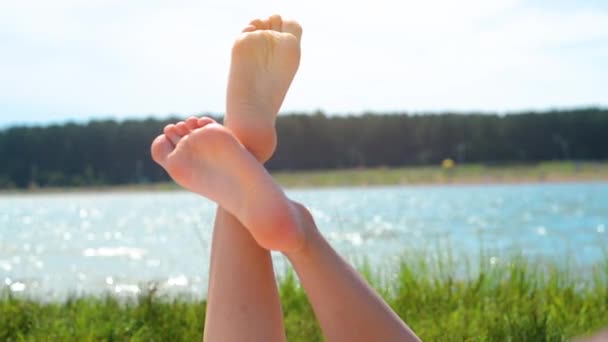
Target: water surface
[[55, 244]]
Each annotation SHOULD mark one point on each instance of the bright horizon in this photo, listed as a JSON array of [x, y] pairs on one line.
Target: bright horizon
[[69, 60]]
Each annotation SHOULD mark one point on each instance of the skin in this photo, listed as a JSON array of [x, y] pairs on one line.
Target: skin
[[265, 58], [208, 159], [236, 258], [236, 312]]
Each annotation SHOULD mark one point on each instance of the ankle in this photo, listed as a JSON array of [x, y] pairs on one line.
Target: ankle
[[309, 234]]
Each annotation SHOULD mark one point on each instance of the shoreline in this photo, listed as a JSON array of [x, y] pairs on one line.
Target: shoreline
[[172, 187], [468, 174]]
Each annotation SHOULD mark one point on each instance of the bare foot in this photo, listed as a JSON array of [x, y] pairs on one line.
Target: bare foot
[[204, 157], [265, 58]]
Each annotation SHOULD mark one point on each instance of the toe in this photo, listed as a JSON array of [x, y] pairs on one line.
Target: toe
[[275, 22], [204, 121], [192, 123], [169, 128], [249, 28], [181, 129], [259, 24], [291, 26], [171, 134], [160, 149]]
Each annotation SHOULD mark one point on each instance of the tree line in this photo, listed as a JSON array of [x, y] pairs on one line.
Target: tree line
[[105, 152]]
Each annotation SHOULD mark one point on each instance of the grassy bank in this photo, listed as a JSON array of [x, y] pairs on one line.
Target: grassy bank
[[416, 175], [510, 301], [469, 173]]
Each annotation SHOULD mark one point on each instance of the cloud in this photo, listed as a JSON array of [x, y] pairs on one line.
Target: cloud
[[77, 58]]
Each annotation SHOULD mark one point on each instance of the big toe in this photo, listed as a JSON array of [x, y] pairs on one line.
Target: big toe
[[275, 22], [160, 149], [293, 27]]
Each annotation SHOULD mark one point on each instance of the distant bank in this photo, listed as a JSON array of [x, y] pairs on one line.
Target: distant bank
[[422, 175], [100, 153]]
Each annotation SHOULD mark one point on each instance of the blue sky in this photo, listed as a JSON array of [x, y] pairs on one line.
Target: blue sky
[[76, 60]]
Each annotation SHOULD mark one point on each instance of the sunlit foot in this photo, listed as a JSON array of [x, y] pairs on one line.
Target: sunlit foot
[[265, 58], [205, 157]]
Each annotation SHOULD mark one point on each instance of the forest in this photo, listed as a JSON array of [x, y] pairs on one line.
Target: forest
[[109, 152]]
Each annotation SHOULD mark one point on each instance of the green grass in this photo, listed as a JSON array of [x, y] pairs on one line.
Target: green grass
[[467, 173], [510, 301]]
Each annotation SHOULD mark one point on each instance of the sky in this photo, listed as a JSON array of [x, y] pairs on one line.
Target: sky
[[78, 60]]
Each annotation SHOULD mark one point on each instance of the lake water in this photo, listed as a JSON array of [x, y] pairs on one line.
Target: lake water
[[57, 244]]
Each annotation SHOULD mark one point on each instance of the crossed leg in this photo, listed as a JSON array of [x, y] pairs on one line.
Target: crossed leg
[[206, 158], [243, 302], [210, 161], [265, 58]]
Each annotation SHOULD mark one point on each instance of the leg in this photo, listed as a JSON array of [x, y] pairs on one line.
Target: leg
[[210, 161], [243, 301], [346, 307], [236, 258], [340, 297]]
